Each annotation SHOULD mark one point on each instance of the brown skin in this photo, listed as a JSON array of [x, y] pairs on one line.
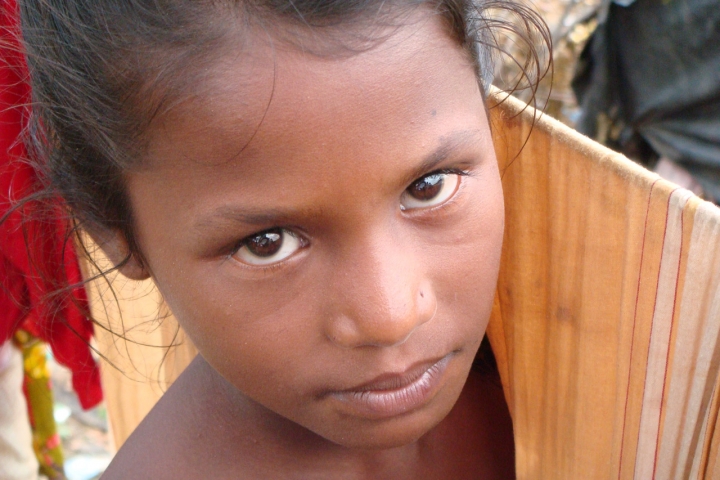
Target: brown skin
[[202, 428], [371, 289]]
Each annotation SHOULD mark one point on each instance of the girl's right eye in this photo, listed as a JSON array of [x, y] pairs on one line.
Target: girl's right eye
[[268, 247]]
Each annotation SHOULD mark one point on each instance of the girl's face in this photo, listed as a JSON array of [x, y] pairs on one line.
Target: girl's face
[[328, 229]]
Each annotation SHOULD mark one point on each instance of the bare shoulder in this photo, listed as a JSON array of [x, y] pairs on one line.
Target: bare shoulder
[[178, 437]]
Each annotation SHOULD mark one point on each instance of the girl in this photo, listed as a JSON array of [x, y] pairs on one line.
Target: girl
[[313, 188]]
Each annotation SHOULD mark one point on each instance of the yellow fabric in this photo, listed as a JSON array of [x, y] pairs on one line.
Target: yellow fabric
[[37, 385], [605, 324]]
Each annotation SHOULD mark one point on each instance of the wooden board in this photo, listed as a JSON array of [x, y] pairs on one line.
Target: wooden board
[[605, 321]]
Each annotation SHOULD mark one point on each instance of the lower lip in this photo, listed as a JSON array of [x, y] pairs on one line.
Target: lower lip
[[378, 404]]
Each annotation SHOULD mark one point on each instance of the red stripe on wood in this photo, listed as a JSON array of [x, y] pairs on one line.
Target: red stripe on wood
[[632, 338]]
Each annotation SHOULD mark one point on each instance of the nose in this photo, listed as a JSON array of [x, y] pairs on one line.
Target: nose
[[383, 295]]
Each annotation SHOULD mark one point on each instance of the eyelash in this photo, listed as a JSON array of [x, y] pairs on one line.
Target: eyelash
[[448, 171], [454, 171]]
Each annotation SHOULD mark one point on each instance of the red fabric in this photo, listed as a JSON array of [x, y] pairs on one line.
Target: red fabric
[[35, 258]]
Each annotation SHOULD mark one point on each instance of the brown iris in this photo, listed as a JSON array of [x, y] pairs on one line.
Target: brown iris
[[427, 187], [265, 244]]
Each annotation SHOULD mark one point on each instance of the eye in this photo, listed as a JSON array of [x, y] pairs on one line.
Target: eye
[[430, 190], [268, 247]]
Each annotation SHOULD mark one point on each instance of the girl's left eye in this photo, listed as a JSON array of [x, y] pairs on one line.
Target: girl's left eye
[[268, 247], [431, 190]]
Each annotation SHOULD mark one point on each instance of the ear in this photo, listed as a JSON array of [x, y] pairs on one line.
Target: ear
[[115, 247]]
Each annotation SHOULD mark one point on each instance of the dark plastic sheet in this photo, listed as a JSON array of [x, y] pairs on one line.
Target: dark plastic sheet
[[654, 69]]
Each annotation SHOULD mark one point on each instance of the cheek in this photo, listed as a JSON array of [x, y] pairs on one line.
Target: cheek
[[467, 265], [246, 324], [258, 343]]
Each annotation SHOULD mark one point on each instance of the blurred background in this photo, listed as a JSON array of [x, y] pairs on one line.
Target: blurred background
[[639, 76]]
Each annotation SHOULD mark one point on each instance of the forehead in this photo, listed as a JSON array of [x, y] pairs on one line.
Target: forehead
[[260, 86], [270, 113]]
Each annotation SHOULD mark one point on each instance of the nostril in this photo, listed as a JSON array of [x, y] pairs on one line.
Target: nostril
[[381, 312]]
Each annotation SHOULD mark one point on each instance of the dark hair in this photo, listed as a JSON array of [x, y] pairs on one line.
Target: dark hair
[[102, 70]]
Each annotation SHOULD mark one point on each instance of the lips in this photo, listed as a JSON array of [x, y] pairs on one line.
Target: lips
[[394, 394]]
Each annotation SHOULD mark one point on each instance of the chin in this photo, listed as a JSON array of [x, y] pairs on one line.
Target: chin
[[397, 431]]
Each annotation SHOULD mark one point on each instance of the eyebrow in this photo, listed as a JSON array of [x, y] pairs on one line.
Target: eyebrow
[[263, 217], [247, 216], [449, 144]]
